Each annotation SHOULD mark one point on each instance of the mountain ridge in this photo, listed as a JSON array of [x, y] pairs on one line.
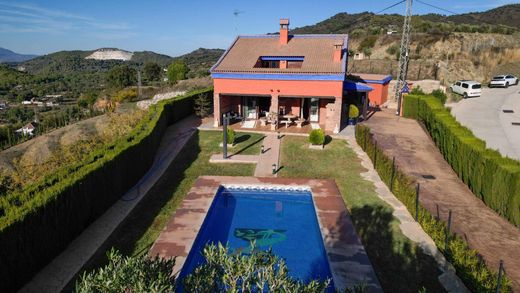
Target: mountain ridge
[[8, 56], [78, 60]]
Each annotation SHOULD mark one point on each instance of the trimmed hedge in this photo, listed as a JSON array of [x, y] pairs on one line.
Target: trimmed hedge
[[39, 222], [469, 267], [490, 176]]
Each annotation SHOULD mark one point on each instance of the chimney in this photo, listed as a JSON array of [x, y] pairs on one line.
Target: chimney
[[284, 31], [338, 48]]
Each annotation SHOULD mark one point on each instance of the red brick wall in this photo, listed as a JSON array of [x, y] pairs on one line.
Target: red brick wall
[[323, 110], [292, 105], [230, 103]]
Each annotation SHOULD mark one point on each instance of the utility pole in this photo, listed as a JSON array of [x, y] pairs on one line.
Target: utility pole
[[404, 56], [139, 84]]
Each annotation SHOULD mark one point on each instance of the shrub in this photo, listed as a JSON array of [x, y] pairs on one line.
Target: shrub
[[230, 136], [39, 221], [225, 272], [317, 137], [353, 111], [440, 95], [416, 90], [129, 274], [392, 50], [222, 272], [125, 95], [368, 42], [490, 176], [469, 267]]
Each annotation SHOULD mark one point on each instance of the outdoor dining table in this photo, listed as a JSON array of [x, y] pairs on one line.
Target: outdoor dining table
[[290, 118]]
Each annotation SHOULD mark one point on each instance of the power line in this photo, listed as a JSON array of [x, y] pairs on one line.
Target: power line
[[436, 7], [364, 17], [391, 6]]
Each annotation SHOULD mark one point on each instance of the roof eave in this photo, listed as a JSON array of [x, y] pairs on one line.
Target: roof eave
[[223, 55]]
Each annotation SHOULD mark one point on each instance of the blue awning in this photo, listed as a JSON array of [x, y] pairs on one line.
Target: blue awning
[[356, 86]]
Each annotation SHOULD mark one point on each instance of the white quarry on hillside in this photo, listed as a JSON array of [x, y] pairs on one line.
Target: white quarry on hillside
[[110, 54]]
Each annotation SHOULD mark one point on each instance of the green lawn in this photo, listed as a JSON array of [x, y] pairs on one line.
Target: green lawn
[[400, 264], [142, 227]]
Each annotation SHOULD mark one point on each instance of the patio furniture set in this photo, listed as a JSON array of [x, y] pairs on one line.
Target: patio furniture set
[[287, 119]]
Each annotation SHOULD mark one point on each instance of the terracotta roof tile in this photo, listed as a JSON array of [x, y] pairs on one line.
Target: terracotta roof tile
[[317, 51]]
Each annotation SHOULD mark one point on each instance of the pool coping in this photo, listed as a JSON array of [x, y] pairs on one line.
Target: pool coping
[[349, 263]]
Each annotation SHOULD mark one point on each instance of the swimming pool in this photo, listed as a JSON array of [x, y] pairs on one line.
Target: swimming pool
[[283, 219]]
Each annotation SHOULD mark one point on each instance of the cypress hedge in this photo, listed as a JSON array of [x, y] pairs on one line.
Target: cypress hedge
[[490, 176], [468, 265], [37, 223]]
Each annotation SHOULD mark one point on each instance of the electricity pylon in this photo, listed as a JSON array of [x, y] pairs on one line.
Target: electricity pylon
[[404, 56]]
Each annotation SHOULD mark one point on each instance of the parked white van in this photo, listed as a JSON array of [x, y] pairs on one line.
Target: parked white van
[[467, 88]]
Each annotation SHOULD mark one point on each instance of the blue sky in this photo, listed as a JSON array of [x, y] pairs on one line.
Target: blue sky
[[172, 27]]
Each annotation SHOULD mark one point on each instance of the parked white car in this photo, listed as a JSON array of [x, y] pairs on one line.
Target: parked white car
[[503, 81], [467, 88]]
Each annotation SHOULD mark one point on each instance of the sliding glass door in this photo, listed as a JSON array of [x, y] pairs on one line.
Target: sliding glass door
[[250, 104], [314, 110]]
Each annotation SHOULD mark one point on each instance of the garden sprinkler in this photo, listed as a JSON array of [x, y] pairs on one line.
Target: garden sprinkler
[[274, 169]]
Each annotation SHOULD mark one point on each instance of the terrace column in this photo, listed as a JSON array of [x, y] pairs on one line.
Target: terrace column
[[274, 104], [216, 109], [338, 104]]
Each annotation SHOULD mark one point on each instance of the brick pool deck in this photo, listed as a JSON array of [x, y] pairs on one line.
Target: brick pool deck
[[348, 260]]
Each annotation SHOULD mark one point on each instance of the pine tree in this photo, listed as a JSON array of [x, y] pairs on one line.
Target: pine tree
[[202, 105]]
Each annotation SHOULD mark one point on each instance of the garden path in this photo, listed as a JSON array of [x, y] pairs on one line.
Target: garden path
[[269, 157], [264, 161]]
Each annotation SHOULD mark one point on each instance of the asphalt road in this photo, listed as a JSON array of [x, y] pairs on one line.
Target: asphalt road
[[485, 117]]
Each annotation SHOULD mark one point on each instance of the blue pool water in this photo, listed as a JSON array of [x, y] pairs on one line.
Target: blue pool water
[[283, 220]]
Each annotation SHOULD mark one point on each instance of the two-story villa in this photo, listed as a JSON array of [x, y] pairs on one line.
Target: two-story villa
[[298, 76]]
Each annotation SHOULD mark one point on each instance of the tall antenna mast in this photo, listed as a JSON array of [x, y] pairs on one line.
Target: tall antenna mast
[[236, 13], [404, 56]]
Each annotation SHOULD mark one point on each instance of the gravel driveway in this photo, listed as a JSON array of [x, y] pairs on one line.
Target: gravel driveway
[[485, 117]]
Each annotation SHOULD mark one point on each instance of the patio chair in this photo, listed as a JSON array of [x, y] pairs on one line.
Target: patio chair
[[299, 122]]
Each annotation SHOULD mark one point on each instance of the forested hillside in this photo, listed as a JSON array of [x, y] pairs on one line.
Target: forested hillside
[[69, 72], [502, 20]]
